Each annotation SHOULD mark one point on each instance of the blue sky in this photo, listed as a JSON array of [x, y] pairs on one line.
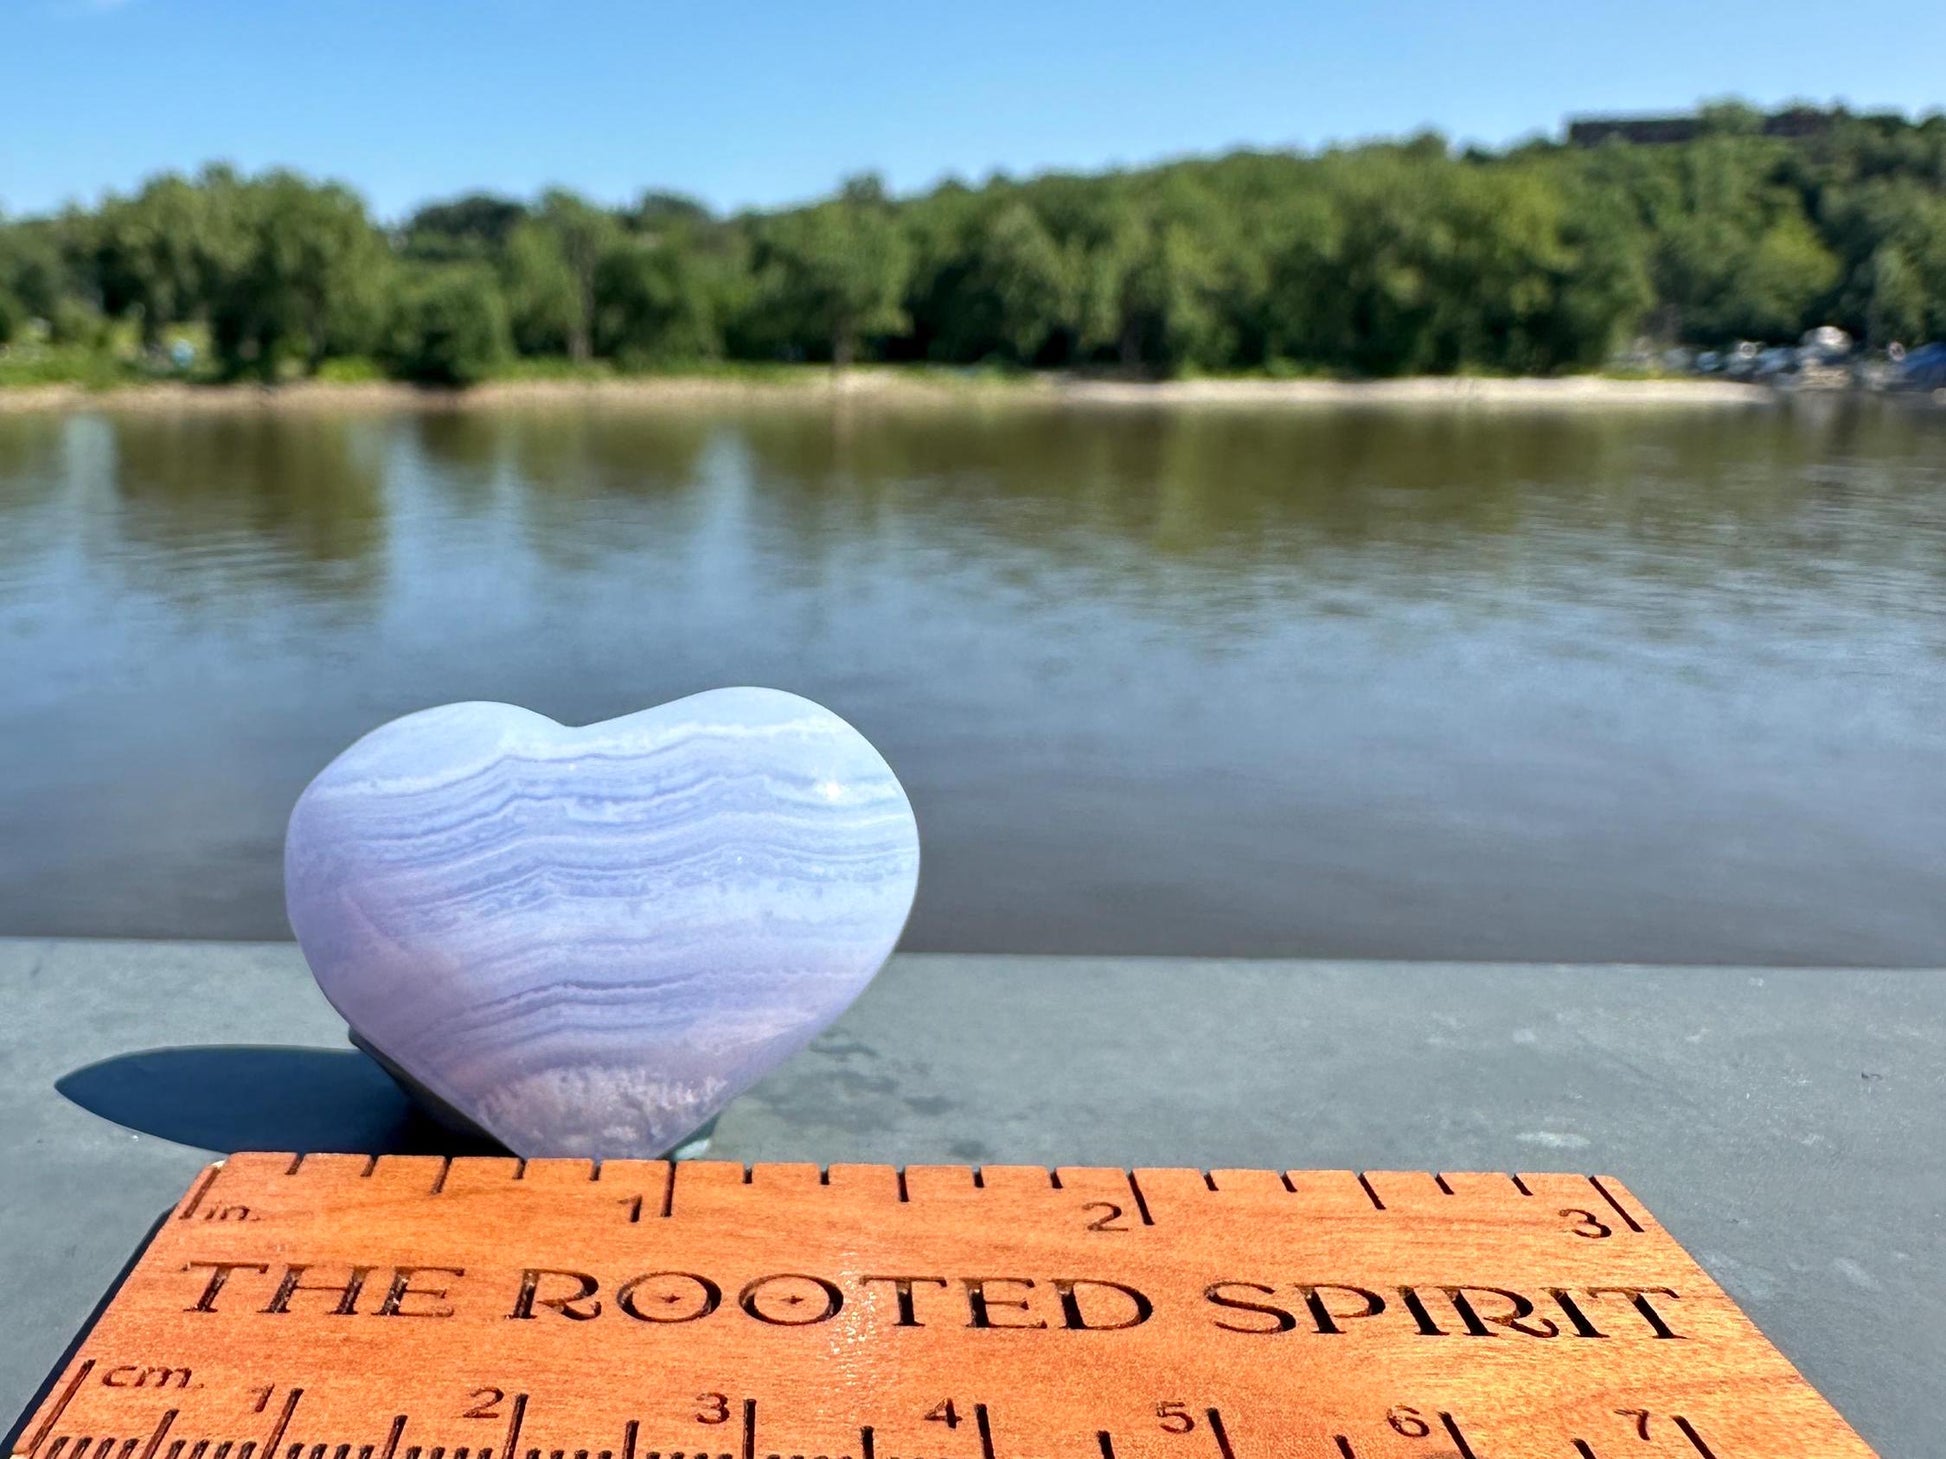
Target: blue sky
[[746, 104]]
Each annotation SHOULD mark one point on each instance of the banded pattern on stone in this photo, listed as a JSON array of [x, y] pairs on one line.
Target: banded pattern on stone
[[588, 941]]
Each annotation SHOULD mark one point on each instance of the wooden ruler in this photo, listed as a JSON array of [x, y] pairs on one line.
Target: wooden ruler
[[352, 1307]]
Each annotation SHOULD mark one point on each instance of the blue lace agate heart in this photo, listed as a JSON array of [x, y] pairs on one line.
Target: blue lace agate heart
[[588, 941]]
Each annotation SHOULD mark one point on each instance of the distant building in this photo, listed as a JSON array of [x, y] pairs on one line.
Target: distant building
[[1651, 131], [1801, 121], [1643, 131]]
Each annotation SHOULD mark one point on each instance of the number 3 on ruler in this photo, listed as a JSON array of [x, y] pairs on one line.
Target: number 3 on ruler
[[1586, 1226]]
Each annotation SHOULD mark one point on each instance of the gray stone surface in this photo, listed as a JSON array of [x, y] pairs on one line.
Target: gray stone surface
[[1784, 1125]]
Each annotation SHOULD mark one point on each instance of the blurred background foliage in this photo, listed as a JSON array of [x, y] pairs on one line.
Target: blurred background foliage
[[1381, 259]]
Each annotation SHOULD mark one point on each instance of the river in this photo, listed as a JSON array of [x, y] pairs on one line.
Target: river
[[1574, 685]]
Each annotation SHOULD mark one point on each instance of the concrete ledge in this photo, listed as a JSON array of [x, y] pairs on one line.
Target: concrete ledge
[[1786, 1126]]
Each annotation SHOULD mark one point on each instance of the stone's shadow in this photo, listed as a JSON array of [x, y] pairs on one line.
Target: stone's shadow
[[229, 1097]]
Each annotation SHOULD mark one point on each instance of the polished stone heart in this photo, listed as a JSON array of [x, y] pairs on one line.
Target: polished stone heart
[[588, 941]]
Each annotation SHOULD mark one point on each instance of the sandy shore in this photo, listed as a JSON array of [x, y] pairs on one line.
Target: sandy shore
[[895, 387], [1420, 390]]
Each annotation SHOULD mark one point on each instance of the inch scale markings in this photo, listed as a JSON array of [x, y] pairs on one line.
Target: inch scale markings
[[398, 1307]]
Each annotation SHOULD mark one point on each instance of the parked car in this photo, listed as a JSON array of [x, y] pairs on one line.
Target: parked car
[[1923, 368], [1825, 345], [1742, 360]]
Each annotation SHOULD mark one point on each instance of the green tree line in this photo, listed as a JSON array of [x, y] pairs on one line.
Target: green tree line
[[1381, 259]]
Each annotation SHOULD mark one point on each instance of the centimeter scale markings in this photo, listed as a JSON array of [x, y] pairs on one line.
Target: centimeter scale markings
[[404, 1307]]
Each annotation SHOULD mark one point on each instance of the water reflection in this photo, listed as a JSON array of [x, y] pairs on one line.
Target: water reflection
[[213, 505], [33, 463], [1385, 682]]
